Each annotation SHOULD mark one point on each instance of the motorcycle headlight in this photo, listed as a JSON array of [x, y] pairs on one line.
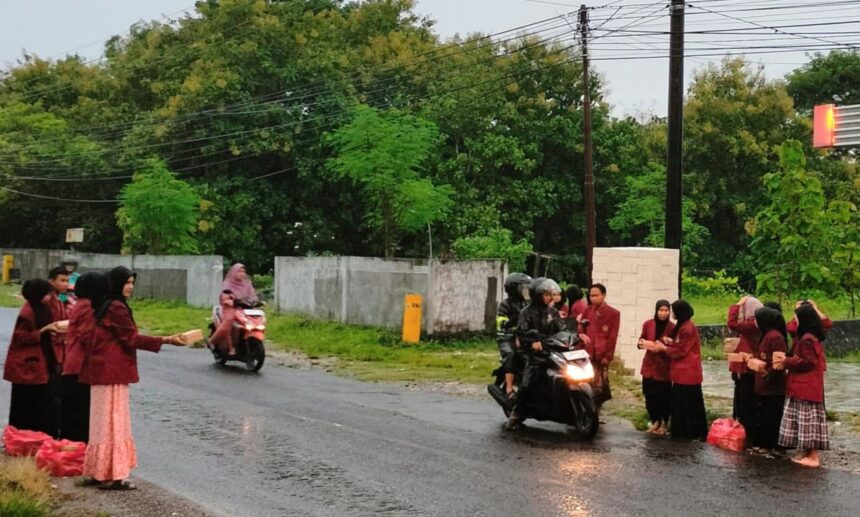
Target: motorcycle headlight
[[261, 327], [578, 373], [249, 326]]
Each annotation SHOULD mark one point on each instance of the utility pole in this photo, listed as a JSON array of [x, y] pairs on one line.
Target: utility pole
[[590, 235], [675, 158]]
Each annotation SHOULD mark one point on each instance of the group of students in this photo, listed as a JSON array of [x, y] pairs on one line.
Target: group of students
[[779, 391], [71, 360]]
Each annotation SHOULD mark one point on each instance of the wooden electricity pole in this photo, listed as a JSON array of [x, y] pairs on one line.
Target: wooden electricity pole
[[675, 158], [590, 234]]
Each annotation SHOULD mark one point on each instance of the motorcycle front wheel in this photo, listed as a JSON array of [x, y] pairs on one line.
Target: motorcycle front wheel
[[257, 355], [584, 415]]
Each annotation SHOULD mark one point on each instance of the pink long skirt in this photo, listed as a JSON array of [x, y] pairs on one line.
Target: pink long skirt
[[111, 453]]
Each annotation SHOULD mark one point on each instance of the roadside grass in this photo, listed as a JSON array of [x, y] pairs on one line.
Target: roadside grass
[[25, 491], [9, 295]]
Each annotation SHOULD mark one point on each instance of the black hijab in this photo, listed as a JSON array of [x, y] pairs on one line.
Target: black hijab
[[774, 305], [116, 280], [683, 312], [767, 319], [808, 322], [33, 291], [660, 325], [92, 286]]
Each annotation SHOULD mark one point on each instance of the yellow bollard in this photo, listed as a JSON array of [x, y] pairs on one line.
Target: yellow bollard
[[8, 262], [412, 306]]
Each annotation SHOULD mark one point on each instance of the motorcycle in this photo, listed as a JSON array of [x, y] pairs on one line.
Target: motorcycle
[[250, 331], [562, 393]]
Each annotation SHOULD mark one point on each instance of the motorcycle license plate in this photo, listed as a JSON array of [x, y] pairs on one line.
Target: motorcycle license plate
[[576, 355]]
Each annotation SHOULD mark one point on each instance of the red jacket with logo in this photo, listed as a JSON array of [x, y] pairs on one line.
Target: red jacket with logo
[[772, 382], [655, 365], [111, 357], [603, 323], [748, 333], [686, 356], [81, 326], [806, 370], [25, 360]]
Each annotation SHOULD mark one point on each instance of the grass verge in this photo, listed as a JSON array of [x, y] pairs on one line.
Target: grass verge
[[25, 491]]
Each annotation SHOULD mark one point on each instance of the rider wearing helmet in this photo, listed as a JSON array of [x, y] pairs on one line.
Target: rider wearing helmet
[[538, 317], [507, 315]]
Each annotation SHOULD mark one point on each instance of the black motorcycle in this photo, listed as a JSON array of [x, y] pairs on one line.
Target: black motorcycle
[[562, 391]]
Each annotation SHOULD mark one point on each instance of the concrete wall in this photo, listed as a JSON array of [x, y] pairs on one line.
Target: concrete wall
[[457, 295], [635, 278], [195, 280]]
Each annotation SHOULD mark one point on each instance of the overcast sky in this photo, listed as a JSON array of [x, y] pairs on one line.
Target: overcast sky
[[637, 82]]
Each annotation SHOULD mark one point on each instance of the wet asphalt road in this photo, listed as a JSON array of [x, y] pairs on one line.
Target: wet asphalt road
[[292, 442]]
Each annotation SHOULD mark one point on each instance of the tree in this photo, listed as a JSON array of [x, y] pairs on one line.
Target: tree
[[494, 243], [832, 78], [383, 153], [158, 213], [802, 241]]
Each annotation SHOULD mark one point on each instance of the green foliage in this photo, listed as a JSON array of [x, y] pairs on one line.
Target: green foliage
[[798, 236], [494, 243], [14, 503], [383, 153], [832, 78], [717, 285], [158, 213]]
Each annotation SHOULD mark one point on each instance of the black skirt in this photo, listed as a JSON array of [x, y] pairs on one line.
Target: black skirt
[[745, 405], [688, 412], [658, 397], [75, 410], [770, 408], [33, 407]]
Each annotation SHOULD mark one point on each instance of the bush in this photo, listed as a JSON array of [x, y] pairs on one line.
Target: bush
[[494, 244], [717, 285]]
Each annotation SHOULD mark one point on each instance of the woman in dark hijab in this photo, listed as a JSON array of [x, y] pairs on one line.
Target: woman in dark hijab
[[685, 371], [656, 386], [90, 289], [31, 364], [769, 383]]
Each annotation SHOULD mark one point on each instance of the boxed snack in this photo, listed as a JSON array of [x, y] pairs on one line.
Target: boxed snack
[[730, 344], [738, 357], [192, 336], [779, 356], [756, 365]]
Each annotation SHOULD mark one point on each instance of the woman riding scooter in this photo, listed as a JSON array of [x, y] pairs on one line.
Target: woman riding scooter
[[236, 290]]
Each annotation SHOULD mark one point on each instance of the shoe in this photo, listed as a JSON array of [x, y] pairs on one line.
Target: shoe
[[513, 423], [117, 485]]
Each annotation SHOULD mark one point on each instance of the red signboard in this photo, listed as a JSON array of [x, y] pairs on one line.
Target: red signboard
[[824, 126]]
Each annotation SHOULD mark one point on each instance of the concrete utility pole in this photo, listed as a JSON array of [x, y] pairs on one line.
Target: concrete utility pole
[[675, 158], [590, 234]]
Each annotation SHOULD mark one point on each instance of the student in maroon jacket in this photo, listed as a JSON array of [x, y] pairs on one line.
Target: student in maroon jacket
[[769, 383], [826, 322], [31, 365], [685, 370], [109, 366], [656, 386], [59, 280], [600, 337], [741, 320], [804, 423], [90, 290]]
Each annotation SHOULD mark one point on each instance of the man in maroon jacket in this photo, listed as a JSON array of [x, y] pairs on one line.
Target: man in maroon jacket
[[600, 337]]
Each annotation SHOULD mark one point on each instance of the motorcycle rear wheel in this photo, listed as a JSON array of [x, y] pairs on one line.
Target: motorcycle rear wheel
[[258, 355], [584, 415]]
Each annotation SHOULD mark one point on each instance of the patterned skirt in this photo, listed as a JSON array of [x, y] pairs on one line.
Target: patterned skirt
[[111, 453], [804, 425]]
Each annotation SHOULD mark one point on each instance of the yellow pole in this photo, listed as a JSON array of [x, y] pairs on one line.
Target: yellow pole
[[8, 262], [412, 306]]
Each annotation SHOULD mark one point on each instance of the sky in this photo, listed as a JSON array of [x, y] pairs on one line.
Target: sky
[[629, 46]]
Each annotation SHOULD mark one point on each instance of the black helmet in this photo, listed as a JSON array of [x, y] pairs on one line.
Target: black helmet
[[542, 285], [516, 285]]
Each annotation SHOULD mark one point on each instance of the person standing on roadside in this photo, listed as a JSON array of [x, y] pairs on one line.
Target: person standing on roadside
[[600, 336], [741, 320], [109, 367], [656, 383], [804, 422], [769, 383], [31, 365]]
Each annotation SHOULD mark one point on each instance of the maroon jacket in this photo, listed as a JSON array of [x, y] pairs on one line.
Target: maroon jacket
[[655, 365], [112, 355], [748, 333], [772, 382], [603, 323], [686, 355], [58, 313], [81, 325], [806, 370], [25, 359], [826, 325]]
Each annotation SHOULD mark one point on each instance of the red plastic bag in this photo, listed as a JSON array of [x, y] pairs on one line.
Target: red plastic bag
[[62, 457], [728, 434], [22, 442]]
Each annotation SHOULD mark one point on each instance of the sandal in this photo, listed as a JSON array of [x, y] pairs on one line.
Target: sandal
[[118, 485], [87, 482]]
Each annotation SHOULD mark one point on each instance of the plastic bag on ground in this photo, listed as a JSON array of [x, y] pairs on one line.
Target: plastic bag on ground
[[727, 433], [22, 442], [62, 457]]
